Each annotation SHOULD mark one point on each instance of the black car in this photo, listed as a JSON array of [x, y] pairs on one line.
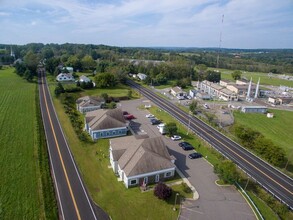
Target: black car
[[194, 155], [187, 147], [155, 121], [184, 143]]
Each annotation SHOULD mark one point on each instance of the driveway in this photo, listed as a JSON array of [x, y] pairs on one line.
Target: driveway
[[215, 202]]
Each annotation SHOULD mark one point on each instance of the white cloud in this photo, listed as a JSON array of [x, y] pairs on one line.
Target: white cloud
[[153, 22]]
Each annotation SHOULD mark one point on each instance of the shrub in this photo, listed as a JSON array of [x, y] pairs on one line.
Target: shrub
[[162, 191]]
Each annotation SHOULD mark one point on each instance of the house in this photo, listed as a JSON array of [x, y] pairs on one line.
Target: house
[[178, 92], [85, 79], [203, 96], [285, 100], [280, 100], [142, 76], [192, 93], [225, 83], [105, 123], [216, 90], [254, 109], [88, 103], [141, 161], [65, 77], [242, 89], [273, 100]]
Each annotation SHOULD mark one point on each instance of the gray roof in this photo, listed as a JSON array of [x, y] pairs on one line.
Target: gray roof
[[141, 155], [87, 101], [105, 119]]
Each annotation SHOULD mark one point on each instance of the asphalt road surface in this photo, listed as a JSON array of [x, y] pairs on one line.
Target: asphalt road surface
[[274, 181], [214, 202], [73, 199]]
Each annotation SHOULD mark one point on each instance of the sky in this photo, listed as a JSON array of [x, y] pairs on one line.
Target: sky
[[247, 24]]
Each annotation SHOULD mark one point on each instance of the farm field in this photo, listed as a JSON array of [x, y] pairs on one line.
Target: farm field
[[22, 193], [111, 195], [279, 129], [264, 78]]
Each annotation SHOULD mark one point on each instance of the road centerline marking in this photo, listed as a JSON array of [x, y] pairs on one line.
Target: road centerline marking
[[59, 153], [224, 145]]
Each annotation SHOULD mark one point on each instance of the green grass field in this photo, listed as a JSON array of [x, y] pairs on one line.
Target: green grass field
[[279, 129], [21, 188], [264, 78], [111, 195]]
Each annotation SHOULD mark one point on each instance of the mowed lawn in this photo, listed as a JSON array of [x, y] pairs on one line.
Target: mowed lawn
[[19, 181], [279, 129], [106, 191], [264, 78]]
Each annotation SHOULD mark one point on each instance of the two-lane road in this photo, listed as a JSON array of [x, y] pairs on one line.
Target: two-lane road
[[73, 199], [277, 183]]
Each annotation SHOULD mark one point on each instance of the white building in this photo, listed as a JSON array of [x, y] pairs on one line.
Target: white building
[[254, 109], [85, 79], [65, 77]]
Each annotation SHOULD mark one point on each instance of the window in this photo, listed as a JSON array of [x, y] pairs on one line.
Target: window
[[145, 180], [168, 174], [157, 178], [133, 182]]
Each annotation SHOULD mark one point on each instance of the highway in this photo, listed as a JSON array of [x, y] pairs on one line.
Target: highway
[[274, 181], [72, 197]]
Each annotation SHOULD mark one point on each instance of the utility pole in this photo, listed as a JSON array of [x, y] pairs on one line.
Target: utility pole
[[220, 43]]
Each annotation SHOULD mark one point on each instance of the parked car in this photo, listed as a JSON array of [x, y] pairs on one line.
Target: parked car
[[176, 138], [150, 116], [160, 125], [148, 106], [188, 147], [194, 155], [184, 143], [155, 121], [129, 117]]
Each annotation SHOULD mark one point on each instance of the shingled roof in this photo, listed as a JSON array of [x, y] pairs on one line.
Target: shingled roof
[[139, 156], [89, 101], [105, 119]]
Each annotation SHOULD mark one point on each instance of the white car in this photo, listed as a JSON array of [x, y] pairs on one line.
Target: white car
[[150, 116], [148, 106], [160, 125], [176, 138]]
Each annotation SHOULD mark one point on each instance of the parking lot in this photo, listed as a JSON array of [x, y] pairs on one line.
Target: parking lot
[[215, 202]]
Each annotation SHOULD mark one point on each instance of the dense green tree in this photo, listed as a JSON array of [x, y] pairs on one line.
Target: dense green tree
[[105, 96], [201, 71], [20, 68], [74, 61], [236, 74], [104, 80], [88, 63], [47, 53], [193, 106], [171, 128], [213, 76], [51, 64], [227, 171], [28, 75], [31, 61]]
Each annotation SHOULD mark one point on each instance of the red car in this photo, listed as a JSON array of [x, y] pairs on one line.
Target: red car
[[129, 117]]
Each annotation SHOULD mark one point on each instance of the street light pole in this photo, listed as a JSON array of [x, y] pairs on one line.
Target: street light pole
[[174, 208], [189, 117]]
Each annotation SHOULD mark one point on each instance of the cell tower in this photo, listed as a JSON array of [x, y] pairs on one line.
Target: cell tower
[[220, 43]]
